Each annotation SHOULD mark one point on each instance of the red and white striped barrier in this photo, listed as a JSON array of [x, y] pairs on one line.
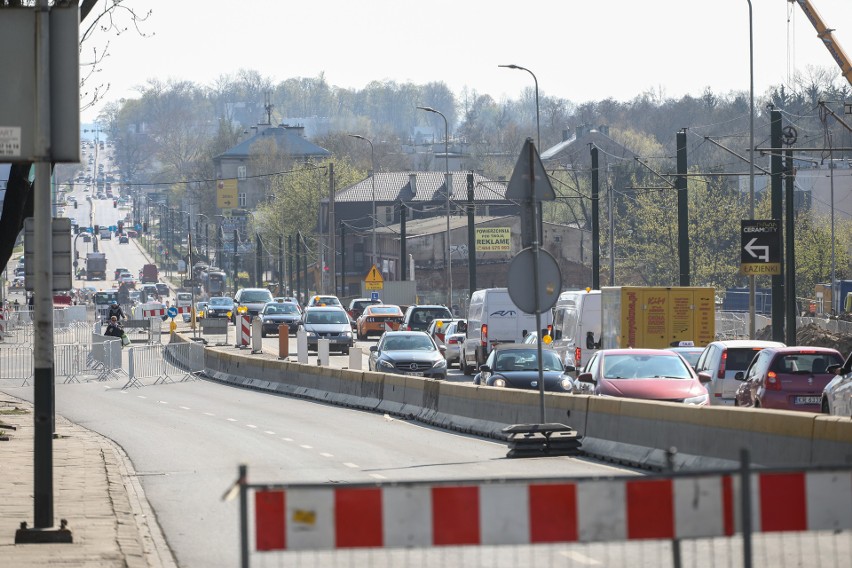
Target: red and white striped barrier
[[244, 336], [153, 312], [423, 515]]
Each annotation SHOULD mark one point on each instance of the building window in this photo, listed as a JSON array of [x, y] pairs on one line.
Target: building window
[[241, 172], [241, 199], [384, 214]]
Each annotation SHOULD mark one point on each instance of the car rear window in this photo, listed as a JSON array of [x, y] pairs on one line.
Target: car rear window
[[388, 310], [255, 297], [739, 358], [804, 363]]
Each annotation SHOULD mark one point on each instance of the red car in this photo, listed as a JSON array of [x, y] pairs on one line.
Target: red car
[[649, 374], [787, 378]]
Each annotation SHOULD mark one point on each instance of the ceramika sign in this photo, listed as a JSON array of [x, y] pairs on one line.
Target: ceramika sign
[[493, 239]]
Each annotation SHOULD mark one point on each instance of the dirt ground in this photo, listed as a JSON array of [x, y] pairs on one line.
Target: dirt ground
[[814, 336]]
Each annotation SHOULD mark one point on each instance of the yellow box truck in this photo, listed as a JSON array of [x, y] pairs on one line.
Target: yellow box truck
[[656, 317]]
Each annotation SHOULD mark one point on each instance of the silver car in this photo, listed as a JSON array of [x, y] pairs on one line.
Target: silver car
[[721, 360], [453, 340], [330, 323]]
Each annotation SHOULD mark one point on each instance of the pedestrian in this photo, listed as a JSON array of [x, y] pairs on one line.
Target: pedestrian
[[115, 312], [114, 329]]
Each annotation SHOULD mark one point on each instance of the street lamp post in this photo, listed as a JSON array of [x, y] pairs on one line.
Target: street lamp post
[[373, 179], [206, 240], [448, 184], [537, 123], [751, 285]]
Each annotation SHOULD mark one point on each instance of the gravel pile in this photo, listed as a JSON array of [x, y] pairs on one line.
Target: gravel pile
[[813, 335]]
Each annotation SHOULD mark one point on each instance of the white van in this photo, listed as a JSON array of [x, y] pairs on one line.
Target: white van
[[577, 326], [493, 318]]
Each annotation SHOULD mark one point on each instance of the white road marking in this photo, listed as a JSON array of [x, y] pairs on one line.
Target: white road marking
[[209, 414], [307, 447], [138, 395], [352, 465], [270, 432], [579, 557], [231, 419], [162, 402], [287, 439], [326, 455], [250, 426], [377, 476], [185, 408]]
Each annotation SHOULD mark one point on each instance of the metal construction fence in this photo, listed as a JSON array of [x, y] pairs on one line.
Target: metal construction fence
[[16, 363], [164, 363], [215, 330], [105, 358], [744, 517]]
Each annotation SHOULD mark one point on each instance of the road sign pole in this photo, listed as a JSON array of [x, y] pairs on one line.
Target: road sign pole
[[537, 294]]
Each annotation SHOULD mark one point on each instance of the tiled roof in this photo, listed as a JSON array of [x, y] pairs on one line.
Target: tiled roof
[[581, 144], [428, 187], [287, 139]]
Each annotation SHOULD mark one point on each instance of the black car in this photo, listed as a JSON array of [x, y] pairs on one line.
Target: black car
[[515, 366], [219, 307], [408, 353], [274, 314]]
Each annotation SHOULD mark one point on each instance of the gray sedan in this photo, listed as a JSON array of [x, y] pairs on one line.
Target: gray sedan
[[408, 353]]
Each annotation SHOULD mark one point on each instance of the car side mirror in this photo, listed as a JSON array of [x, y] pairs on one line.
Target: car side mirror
[[590, 340], [461, 327], [739, 376], [704, 377], [443, 349], [484, 369], [373, 348], [834, 370], [585, 378], [557, 334], [570, 368]]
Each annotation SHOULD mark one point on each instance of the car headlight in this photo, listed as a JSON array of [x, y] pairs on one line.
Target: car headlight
[[567, 384], [346, 334], [385, 364], [440, 363], [311, 333], [700, 399], [499, 382]]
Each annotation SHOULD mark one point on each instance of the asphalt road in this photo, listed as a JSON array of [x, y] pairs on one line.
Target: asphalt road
[[186, 441]]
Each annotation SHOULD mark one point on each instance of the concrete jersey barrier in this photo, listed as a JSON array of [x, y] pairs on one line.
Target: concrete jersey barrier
[[628, 431]]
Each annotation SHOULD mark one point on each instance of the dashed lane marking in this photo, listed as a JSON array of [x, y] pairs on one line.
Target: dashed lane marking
[[326, 455], [307, 447], [352, 465]]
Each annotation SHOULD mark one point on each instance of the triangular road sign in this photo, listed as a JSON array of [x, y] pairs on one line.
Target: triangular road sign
[[374, 275], [519, 184]]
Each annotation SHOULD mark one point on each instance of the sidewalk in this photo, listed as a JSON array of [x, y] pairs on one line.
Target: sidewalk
[[95, 489]]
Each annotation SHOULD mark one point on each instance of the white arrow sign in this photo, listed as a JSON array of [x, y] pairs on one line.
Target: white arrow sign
[[753, 250]]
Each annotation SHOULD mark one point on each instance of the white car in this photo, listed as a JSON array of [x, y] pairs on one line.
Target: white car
[[837, 394]]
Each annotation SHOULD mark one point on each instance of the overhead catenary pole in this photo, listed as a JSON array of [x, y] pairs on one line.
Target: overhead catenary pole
[[776, 163], [682, 209], [44, 394], [403, 259], [332, 238], [471, 235], [790, 261], [596, 228], [236, 265], [751, 281], [342, 259], [280, 265]]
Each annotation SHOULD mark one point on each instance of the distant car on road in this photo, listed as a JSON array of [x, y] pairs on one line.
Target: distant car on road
[[123, 240], [356, 306], [787, 378], [324, 301], [219, 307], [408, 353], [515, 366], [837, 394], [648, 374], [376, 318], [327, 322], [721, 360], [274, 314]]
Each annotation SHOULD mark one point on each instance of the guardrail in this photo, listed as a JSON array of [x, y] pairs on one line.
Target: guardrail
[[70, 361], [16, 363], [105, 358], [164, 363], [676, 507]]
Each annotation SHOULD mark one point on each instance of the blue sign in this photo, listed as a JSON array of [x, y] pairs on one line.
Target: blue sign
[[374, 296], [113, 228], [172, 311], [138, 227]]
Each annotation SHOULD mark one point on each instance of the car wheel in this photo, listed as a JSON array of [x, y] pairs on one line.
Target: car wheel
[[467, 370], [824, 408], [262, 333], [345, 351]]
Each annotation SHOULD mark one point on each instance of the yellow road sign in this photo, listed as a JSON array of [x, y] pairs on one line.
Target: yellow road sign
[[373, 285], [373, 277]]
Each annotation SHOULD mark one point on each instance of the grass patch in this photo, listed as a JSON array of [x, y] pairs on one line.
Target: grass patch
[[13, 411]]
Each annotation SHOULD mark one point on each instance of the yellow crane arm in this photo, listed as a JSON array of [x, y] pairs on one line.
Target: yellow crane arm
[[825, 34]]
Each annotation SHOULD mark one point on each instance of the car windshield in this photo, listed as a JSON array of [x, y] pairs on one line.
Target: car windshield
[[526, 360], [106, 297], [280, 309], [255, 297], [645, 366], [378, 310], [221, 302], [327, 300], [408, 343], [329, 317]]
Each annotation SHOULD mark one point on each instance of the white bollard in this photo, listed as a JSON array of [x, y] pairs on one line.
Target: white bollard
[[355, 358], [302, 346], [323, 347], [256, 337]]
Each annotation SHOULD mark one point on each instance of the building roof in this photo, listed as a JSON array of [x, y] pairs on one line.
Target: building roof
[[578, 144], [288, 139], [437, 225], [421, 187]]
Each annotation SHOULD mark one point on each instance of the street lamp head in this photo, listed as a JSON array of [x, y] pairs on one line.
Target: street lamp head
[[511, 66], [428, 109]]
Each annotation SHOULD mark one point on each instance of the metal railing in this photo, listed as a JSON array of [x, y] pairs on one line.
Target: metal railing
[[16, 363]]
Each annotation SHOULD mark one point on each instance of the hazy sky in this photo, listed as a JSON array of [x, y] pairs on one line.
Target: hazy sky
[[578, 50]]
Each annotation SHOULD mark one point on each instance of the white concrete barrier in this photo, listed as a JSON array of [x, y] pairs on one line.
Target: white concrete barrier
[[256, 335], [323, 348], [356, 358], [302, 346]]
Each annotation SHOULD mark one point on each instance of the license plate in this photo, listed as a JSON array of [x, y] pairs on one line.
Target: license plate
[[807, 400], [413, 373]]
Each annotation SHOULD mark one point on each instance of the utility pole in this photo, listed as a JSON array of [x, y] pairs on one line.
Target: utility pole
[[403, 259], [342, 259], [332, 238], [298, 270], [471, 235], [777, 200], [280, 265], [258, 262], [290, 264], [790, 263], [236, 265], [682, 209], [596, 226]]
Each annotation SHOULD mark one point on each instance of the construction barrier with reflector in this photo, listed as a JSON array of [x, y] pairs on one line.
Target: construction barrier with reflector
[[676, 506]]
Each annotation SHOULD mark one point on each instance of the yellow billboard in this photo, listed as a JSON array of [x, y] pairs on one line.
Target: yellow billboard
[[226, 194], [493, 239]]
